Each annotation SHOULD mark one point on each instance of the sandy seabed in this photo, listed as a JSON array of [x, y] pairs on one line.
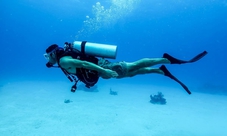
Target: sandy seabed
[[37, 108]]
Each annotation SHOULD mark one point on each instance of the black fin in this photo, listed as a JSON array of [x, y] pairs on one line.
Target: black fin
[[178, 61], [168, 74], [198, 57]]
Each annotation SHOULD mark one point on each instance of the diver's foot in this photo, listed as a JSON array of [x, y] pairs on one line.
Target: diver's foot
[[172, 59], [166, 71]]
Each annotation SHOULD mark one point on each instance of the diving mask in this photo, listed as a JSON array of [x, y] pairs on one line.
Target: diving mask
[[47, 56]]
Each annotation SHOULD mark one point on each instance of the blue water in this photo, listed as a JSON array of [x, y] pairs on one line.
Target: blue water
[[139, 28]]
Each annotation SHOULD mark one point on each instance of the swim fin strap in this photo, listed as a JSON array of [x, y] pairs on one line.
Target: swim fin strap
[[168, 74], [178, 61]]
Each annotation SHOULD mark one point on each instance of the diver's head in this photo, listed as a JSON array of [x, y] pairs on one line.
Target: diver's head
[[50, 55]]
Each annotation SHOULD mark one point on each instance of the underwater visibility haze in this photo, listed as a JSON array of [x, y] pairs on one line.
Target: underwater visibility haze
[[139, 28]]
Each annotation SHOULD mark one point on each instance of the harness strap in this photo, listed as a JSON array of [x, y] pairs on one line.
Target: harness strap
[[68, 75], [83, 47], [71, 78]]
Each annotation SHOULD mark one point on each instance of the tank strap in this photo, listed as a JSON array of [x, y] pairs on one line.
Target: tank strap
[[83, 46]]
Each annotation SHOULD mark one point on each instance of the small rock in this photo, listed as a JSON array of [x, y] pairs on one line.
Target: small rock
[[112, 92], [67, 101]]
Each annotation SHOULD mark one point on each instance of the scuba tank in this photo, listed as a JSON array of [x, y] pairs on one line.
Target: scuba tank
[[96, 49]]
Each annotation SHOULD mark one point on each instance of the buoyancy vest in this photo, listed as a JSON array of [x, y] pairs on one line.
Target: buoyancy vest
[[88, 77]]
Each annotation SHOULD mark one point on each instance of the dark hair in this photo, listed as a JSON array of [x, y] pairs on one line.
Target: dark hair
[[51, 48]]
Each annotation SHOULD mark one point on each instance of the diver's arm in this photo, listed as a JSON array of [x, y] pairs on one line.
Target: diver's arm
[[69, 62]]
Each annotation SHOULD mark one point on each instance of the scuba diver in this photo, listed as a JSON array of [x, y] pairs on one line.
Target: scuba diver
[[85, 61]]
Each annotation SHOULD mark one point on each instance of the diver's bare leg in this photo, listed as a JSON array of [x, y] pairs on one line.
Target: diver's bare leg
[[146, 62], [146, 70]]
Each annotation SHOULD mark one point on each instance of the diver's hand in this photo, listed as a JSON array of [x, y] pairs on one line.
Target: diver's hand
[[110, 73]]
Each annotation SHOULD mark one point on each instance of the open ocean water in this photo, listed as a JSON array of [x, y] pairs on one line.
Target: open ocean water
[[140, 29]]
